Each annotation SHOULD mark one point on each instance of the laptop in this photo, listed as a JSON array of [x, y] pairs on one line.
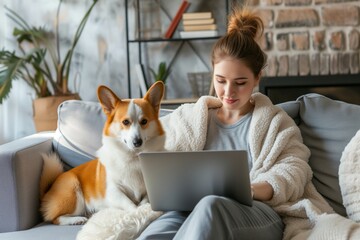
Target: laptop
[[176, 181]]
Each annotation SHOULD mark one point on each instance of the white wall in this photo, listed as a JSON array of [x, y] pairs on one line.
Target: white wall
[[100, 56]]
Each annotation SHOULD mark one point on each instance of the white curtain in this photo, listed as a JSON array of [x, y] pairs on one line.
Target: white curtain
[[16, 114], [16, 111]]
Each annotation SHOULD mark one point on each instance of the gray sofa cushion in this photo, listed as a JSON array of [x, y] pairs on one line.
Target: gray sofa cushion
[[44, 231], [327, 126], [292, 109], [18, 192]]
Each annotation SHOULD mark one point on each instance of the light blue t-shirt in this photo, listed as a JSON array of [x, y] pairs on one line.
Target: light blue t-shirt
[[228, 136]]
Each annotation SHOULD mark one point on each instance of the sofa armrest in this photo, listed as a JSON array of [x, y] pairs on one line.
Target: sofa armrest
[[20, 169]]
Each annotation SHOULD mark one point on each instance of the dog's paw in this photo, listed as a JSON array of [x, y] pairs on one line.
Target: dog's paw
[[79, 220], [67, 220]]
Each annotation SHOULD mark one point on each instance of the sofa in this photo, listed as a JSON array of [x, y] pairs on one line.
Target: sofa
[[327, 126]]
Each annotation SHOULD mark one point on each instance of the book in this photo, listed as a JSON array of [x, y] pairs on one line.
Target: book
[[200, 27], [196, 15], [175, 22], [198, 34], [141, 78], [199, 21]]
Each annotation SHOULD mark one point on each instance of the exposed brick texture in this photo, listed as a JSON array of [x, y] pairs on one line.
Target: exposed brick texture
[[319, 40], [282, 42], [304, 65], [340, 16], [294, 65], [300, 41], [354, 62], [315, 64], [297, 2], [297, 18], [344, 63], [324, 64], [334, 64], [272, 66], [354, 37], [266, 42], [310, 37], [272, 2], [283, 65], [337, 41], [267, 16]]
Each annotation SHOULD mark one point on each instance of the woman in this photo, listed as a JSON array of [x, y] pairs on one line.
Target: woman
[[240, 119]]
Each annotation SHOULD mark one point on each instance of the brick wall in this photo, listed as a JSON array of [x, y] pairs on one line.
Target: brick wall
[[310, 37]]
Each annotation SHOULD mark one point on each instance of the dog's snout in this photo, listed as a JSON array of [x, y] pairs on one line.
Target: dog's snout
[[137, 142]]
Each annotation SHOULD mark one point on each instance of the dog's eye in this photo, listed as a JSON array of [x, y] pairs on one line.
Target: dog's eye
[[143, 122], [126, 122]]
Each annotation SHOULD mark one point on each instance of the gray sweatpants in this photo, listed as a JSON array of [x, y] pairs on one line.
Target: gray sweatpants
[[218, 218]]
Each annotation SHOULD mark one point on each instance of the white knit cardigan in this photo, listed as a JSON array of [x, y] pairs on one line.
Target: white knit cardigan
[[278, 153]]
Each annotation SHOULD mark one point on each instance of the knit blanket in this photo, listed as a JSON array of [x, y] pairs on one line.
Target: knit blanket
[[349, 178], [278, 154]]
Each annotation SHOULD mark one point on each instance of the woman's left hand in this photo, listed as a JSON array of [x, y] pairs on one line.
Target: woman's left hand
[[262, 191]]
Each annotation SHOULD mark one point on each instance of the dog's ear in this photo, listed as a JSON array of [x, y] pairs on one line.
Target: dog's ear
[[155, 94], [107, 99]]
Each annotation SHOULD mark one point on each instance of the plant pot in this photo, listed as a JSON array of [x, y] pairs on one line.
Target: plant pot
[[45, 111]]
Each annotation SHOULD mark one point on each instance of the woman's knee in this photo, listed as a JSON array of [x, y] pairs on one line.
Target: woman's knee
[[211, 203]]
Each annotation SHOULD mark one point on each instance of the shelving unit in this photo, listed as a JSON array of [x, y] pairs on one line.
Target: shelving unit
[[141, 41]]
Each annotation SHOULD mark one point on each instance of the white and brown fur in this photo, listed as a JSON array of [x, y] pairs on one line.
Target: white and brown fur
[[113, 180]]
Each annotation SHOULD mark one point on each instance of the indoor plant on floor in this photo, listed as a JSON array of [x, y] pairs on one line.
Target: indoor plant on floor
[[38, 62]]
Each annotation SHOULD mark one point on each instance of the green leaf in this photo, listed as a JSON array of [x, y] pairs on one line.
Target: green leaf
[[5, 86], [7, 74], [37, 36], [33, 65], [162, 73]]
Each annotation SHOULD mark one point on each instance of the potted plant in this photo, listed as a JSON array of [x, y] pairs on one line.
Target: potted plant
[[38, 62], [162, 74]]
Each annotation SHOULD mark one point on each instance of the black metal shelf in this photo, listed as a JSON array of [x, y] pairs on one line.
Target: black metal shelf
[[139, 42], [172, 39]]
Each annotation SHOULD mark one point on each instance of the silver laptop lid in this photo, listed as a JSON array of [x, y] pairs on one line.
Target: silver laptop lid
[[178, 180]]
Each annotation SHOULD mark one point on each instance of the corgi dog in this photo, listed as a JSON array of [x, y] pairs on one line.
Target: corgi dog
[[114, 179]]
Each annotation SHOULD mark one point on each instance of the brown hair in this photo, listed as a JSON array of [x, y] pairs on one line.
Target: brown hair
[[244, 27]]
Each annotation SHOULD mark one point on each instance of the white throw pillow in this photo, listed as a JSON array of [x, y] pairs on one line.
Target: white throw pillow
[[349, 178]]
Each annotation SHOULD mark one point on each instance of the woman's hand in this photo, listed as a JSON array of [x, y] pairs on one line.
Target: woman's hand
[[262, 191]]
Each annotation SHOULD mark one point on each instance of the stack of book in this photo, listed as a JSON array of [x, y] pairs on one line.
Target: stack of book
[[198, 24]]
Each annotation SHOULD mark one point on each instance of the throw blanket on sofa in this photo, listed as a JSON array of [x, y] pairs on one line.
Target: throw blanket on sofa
[[278, 154], [349, 177], [334, 226]]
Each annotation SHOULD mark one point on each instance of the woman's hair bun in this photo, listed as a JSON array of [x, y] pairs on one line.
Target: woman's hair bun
[[244, 21]]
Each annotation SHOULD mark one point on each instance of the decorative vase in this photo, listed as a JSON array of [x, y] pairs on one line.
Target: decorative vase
[[45, 111]]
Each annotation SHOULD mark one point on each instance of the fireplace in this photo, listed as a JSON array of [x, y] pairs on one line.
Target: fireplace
[[338, 87]]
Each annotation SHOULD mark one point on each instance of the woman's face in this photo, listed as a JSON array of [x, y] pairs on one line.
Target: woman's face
[[234, 83]]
